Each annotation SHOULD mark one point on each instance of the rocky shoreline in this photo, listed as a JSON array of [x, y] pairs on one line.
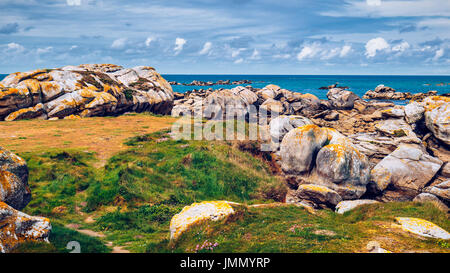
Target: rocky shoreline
[[209, 83]]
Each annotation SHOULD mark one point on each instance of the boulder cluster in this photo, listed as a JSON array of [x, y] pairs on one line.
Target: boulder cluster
[[17, 227], [83, 91], [210, 83], [389, 93], [345, 147]]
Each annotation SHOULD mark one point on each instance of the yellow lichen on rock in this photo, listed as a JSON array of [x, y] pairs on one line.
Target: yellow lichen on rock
[[17, 228], [197, 212], [422, 227]]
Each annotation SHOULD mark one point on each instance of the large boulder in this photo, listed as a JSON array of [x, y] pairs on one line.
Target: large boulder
[[299, 148], [437, 117], [408, 169], [342, 99], [85, 90], [281, 125], [17, 227], [323, 156], [228, 103], [196, 213], [414, 112], [14, 189], [318, 195]]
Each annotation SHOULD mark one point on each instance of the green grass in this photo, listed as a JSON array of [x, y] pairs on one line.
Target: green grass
[[138, 191], [134, 196], [293, 229], [59, 239]]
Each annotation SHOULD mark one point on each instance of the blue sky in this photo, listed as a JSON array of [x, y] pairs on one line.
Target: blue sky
[[229, 36]]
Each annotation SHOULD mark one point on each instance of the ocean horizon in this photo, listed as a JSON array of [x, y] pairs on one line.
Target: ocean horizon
[[359, 84]]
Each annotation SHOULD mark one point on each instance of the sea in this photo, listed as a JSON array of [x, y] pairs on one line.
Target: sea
[[311, 84]]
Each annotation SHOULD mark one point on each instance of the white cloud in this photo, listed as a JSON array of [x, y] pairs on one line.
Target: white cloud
[[119, 43], [73, 47], [238, 61], [206, 48], [148, 41], [308, 52], [14, 47], [44, 50], [73, 2], [345, 50], [255, 55], [439, 54], [374, 45], [179, 44], [393, 8], [326, 55], [282, 56], [373, 2], [401, 47], [236, 52]]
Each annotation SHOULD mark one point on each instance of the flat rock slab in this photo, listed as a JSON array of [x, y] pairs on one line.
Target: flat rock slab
[[422, 227], [348, 205]]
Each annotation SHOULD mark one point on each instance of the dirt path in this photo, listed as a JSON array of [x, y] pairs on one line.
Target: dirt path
[[115, 249]]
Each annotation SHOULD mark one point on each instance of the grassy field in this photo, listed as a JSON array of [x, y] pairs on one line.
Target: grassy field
[[103, 136], [126, 203]]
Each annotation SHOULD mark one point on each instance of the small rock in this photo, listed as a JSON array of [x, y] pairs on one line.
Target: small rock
[[428, 197], [348, 205]]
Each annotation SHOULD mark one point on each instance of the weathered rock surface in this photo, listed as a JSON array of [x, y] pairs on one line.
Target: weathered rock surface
[[422, 227], [408, 169], [198, 212], [323, 156], [17, 227], [437, 117], [414, 112], [85, 90], [349, 205], [14, 189], [341, 99], [428, 197], [318, 195], [382, 92], [281, 125], [441, 190]]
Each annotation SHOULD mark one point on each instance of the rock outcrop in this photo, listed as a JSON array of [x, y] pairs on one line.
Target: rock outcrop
[[437, 117], [17, 227], [212, 104], [85, 90], [382, 92], [408, 170], [14, 188], [324, 157]]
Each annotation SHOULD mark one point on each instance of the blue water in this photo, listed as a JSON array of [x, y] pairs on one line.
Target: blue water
[[311, 84]]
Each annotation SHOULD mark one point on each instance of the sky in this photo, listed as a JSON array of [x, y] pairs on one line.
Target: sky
[[400, 37]]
